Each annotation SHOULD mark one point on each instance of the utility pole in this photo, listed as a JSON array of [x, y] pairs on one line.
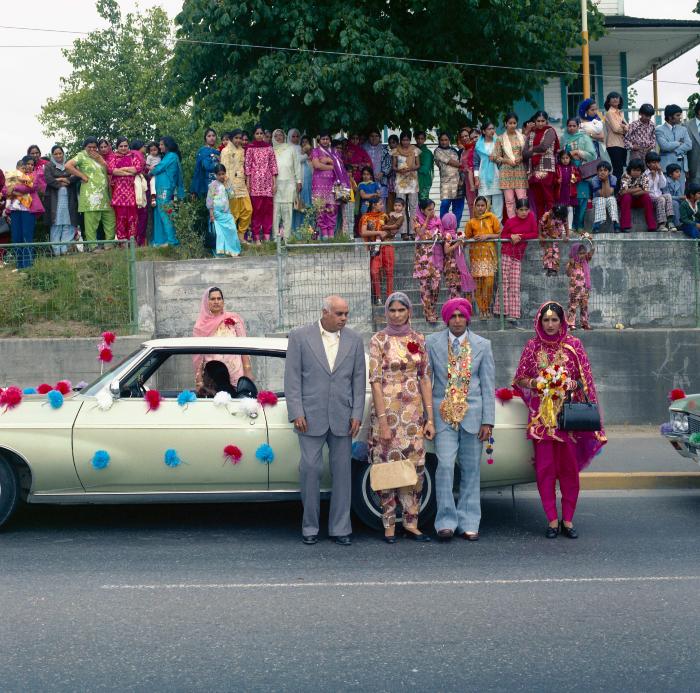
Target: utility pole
[[585, 57]]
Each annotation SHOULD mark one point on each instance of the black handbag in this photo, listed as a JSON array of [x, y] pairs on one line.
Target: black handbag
[[210, 237], [579, 416], [589, 169]]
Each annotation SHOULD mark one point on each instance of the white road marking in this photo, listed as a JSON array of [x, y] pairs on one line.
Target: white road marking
[[397, 583]]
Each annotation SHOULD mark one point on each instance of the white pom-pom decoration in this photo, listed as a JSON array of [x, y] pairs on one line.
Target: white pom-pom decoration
[[249, 406], [221, 399], [104, 400]]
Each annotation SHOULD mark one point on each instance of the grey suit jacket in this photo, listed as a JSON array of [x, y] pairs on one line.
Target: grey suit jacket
[[327, 399], [674, 144], [482, 387], [694, 154]]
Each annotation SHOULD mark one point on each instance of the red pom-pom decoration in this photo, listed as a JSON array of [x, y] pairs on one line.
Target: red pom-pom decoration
[[153, 398], [413, 347], [267, 398], [233, 454], [44, 388], [109, 338], [63, 386], [504, 394], [230, 322], [105, 355], [11, 397], [675, 394]]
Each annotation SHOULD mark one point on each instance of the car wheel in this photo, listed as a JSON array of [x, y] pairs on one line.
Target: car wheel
[[367, 506], [9, 491]]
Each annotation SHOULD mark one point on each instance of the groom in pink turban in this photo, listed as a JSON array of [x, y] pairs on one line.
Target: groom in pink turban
[[465, 410]]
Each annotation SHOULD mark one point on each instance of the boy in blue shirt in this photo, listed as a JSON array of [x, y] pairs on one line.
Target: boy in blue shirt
[[674, 186]]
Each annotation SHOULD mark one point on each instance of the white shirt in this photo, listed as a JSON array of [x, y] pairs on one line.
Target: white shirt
[[697, 123], [461, 338], [330, 344]]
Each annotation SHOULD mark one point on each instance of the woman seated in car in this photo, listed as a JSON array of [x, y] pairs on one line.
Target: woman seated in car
[[215, 378], [214, 321]]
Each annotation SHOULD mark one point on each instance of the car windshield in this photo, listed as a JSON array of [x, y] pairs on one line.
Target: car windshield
[[94, 387]]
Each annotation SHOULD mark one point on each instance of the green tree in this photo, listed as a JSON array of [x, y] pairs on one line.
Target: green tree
[[317, 89], [116, 85]]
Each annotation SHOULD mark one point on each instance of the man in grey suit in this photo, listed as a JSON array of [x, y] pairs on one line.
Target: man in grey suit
[[465, 412], [673, 140], [324, 384], [693, 128]]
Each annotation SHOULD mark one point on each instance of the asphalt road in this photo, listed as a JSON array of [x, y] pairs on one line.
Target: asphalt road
[[226, 598]]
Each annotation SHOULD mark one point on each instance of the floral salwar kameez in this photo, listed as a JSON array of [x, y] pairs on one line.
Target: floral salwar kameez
[[124, 194], [399, 363]]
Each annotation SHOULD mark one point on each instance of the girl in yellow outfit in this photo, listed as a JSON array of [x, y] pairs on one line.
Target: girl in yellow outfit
[[484, 225]]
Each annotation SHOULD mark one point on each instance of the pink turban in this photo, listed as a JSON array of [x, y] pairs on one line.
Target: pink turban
[[454, 304]]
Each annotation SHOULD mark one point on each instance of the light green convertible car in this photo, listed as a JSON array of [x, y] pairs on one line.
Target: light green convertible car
[[683, 428], [105, 445]]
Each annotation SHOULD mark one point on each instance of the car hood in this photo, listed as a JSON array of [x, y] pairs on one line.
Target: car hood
[[690, 404]]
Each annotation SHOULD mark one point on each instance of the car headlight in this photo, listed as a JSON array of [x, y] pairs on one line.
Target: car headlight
[[679, 422]]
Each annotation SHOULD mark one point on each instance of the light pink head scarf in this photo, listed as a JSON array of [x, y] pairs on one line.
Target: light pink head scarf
[[207, 323]]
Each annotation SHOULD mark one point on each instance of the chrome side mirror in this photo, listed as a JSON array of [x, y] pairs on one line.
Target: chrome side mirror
[[114, 387]]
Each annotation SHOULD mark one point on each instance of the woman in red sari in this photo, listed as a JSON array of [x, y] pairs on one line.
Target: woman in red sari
[[541, 148], [356, 158], [552, 355], [123, 167]]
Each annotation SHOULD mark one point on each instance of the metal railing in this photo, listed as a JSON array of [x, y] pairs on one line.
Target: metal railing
[[69, 289], [636, 281]]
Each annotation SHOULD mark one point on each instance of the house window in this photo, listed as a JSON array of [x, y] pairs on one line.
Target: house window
[[574, 91]]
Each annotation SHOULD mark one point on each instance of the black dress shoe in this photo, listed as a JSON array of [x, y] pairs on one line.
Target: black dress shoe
[[552, 532], [390, 539], [424, 538], [445, 534], [343, 541], [470, 536], [310, 539], [569, 532]]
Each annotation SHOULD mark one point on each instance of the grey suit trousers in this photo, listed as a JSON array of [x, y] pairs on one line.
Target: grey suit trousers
[[310, 472]]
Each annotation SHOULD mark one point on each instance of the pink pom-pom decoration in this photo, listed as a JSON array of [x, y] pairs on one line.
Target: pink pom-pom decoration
[[109, 338], [44, 388], [11, 397], [105, 355], [267, 398], [233, 454], [504, 394], [63, 386], [153, 398], [675, 394]]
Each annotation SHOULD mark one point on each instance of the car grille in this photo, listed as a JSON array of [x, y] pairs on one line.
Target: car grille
[[693, 424]]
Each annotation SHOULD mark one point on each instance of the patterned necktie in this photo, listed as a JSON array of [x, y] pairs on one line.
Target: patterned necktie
[[455, 347]]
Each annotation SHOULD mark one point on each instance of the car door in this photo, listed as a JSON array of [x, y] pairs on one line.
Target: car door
[[284, 471], [137, 439]]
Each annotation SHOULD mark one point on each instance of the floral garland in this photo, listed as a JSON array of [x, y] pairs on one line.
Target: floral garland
[[454, 406]]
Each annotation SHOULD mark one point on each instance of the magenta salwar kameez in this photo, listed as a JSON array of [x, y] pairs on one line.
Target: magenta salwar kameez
[[559, 455]]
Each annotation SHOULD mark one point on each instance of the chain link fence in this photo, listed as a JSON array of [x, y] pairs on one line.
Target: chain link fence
[[640, 281], [67, 290]]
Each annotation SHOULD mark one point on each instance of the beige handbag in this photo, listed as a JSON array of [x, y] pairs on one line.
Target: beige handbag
[[140, 188], [394, 474]]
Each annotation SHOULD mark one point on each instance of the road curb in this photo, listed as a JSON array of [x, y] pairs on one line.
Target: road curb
[[597, 481]]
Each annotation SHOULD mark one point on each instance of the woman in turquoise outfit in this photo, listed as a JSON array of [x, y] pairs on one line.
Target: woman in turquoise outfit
[[580, 146], [220, 192], [169, 188]]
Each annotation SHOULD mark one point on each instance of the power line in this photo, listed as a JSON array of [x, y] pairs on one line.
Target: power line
[[314, 51]]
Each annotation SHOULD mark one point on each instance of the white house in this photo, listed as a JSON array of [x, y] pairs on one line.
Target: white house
[[631, 49]]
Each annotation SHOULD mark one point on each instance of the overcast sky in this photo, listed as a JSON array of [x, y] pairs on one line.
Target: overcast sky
[[42, 64]]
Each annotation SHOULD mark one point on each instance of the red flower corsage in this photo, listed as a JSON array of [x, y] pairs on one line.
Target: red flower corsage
[[230, 322], [413, 347]]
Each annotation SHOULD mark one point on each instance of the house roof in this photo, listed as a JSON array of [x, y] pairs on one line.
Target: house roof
[[647, 42]]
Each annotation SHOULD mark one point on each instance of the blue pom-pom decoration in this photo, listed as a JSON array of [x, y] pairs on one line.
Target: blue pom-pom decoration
[[360, 451], [265, 454], [186, 397], [100, 459], [29, 391], [172, 459], [55, 399]]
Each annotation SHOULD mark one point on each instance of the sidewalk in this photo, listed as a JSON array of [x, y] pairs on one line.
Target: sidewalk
[[637, 457]]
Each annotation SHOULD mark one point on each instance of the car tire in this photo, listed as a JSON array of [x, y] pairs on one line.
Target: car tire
[[366, 504], [9, 491]]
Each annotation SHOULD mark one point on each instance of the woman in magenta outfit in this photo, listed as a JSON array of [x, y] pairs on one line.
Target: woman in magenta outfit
[[39, 165], [559, 455], [328, 169], [261, 179], [123, 167]]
